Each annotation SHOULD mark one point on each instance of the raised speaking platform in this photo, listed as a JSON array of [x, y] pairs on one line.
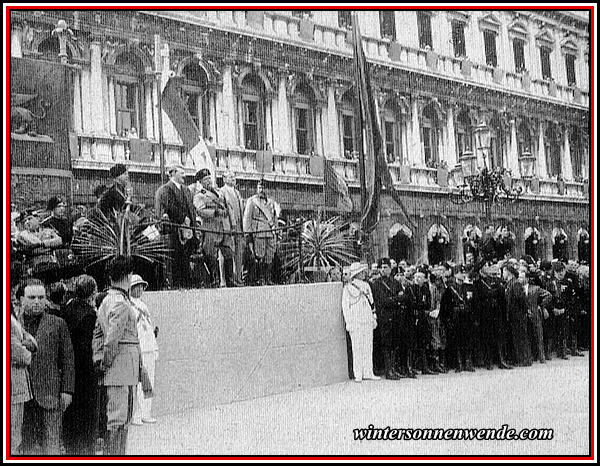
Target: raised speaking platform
[[224, 345]]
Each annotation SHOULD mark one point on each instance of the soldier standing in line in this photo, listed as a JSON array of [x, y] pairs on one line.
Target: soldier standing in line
[[386, 292]]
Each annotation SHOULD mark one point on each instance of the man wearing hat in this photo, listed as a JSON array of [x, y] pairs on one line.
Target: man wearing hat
[[566, 310], [35, 239], [58, 219], [359, 314], [390, 305], [117, 356], [212, 210], [174, 205], [516, 306], [489, 303], [117, 194], [147, 333], [235, 206], [260, 216], [456, 314]]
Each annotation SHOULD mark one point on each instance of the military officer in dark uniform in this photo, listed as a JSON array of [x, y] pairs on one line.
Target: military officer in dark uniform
[[421, 304], [457, 317], [386, 293], [489, 303], [117, 194]]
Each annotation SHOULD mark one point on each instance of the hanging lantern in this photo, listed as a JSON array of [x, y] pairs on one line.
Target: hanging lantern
[[483, 136], [527, 164], [468, 164]]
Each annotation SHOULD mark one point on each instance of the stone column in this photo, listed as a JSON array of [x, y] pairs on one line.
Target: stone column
[[404, 140], [415, 156], [451, 158], [86, 105], [212, 109], [542, 168], [150, 134], [332, 135], [228, 110], [16, 36], [567, 167], [282, 140], [513, 152], [77, 123], [269, 104], [97, 119], [110, 123], [170, 134], [318, 135]]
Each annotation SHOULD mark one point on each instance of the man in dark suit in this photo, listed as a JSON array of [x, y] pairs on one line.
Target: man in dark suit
[[174, 204], [52, 370], [516, 307], [386, 294], [537, 299], [115, 197]]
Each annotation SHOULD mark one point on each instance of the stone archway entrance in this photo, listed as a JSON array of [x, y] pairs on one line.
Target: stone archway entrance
[[438, 244], [399, 242]]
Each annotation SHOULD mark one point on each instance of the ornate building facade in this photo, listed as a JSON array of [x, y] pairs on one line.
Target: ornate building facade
[[281, 82]]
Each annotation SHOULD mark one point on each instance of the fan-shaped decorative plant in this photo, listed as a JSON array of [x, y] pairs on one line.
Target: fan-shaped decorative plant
[[325, 243], [102, 238]]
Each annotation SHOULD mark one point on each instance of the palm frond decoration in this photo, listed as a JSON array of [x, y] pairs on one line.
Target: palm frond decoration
[[325, 243], [101, 238]]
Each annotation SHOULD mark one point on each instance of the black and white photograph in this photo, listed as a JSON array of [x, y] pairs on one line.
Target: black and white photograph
[[356, 231]]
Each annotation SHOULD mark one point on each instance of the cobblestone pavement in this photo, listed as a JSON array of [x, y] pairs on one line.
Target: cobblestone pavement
[[320, 421]]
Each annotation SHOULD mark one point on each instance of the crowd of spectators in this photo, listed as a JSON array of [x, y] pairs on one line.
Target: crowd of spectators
[[454, 316]]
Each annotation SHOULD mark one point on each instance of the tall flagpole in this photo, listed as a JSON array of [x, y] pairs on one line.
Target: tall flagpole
[[161, 142]]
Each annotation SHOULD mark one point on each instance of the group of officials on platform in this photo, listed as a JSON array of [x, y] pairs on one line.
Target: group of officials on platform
[[227, 226]]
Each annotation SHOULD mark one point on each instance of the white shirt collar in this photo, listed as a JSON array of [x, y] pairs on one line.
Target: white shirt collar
[[176, 184]]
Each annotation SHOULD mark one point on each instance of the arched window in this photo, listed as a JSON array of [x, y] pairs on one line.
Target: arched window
[[464, 133], [391, 127], [497, 143], [303, 116], [552, 141], [129, 94], [431, 135], [252, 113], [577, 151], [348, 131], [195, 95]]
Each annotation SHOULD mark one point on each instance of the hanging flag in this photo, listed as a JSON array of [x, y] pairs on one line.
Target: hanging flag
[[178, 113], [374, 172], [335, 189]]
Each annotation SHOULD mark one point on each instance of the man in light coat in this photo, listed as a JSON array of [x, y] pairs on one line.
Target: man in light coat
[[359, 314], [260, 216], [211, 209], [117, 355], [235, 206]]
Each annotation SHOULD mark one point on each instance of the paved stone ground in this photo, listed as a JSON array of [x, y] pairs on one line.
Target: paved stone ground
[[319, 421]]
